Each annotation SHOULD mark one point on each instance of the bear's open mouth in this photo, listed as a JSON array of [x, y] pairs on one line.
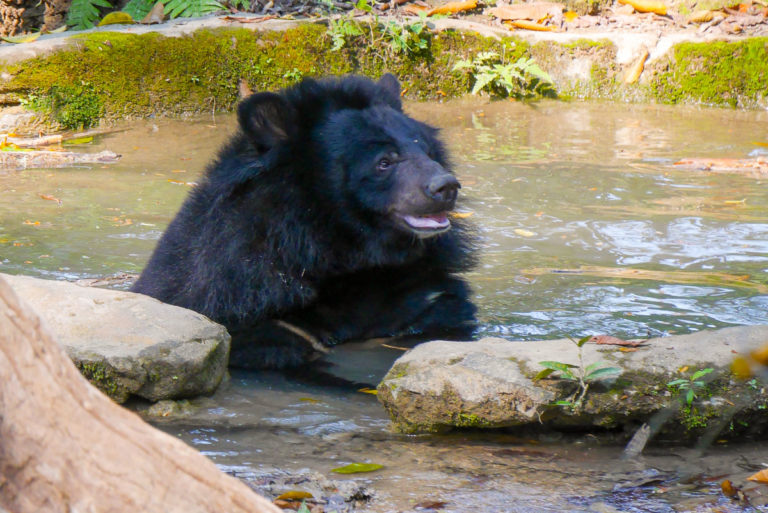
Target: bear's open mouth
[[428, 223]]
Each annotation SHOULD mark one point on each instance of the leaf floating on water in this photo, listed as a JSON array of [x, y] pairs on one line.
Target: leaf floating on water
[[355, 468], [78, 140], [367, 390], [294, 495], [117, 18], [309, 400], [429, 504], [33, 223], [48, 197], [760, 477], [26, 38], [461, 215], [524, 233]]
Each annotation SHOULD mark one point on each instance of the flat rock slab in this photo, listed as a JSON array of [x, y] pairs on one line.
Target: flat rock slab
[[490, 384], [130, 344]]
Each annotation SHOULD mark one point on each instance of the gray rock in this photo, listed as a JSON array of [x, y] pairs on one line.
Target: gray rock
[[130, 344], [490, 383]]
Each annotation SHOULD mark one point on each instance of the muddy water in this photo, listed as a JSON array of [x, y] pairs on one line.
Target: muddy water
[[585, 227]]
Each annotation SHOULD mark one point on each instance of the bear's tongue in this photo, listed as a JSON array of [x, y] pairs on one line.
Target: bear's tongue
[[430, 221]]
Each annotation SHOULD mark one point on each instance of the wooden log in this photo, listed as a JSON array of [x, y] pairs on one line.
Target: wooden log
[[37, 159], [66, 447]]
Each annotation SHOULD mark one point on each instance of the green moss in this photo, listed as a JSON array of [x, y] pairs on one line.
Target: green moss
[[715, 73], [103, 377], [128, 75]]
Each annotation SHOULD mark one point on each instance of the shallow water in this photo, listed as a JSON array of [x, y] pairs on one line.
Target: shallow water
[[585, 227]]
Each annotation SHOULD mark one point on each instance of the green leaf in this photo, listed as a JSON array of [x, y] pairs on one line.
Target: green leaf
[[354, 468], [700, 373], [78, 140], [117, 18], [191, 8], [558, 366], [563, 403], [482, 80], [24, 38], [138, 9], [603, 373], [677, 382], [303, 508], [689, 396], [583, 340], [543, 374], [83, 14], [461, 65]]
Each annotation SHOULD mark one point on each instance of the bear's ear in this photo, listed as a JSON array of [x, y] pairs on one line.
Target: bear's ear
[[391, 87], [267, 119]]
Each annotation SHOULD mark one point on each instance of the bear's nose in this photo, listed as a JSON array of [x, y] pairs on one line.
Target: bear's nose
[[443, 187]]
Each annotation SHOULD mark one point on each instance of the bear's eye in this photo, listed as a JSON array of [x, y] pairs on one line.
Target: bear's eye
[[385, 163]]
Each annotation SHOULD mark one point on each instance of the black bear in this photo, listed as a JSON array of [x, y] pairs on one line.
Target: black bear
[[325, 219]]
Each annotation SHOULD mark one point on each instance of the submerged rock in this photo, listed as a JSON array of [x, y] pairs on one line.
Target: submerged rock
[[130, 344], [491, 383]]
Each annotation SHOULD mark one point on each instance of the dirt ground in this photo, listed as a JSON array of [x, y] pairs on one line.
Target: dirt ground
[[710, 18]]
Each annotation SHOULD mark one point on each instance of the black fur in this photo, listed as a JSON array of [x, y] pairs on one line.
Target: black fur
[[298, 227]]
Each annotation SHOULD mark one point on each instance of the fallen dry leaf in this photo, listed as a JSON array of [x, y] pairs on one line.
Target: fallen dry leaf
[[634, 71], [653, 6], [453, 7], [760, 477], [532, 11], [614, 341], [50, 198], [529, 25]]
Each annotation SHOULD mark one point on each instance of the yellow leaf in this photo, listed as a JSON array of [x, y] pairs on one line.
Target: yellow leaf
[[634, 71], [294, 495], [58, 30], [453, 7], [701, 16], [529, 25], [682, 369], [570, 15], [761, 355], [354, 468], [309, 400], [26, 38], [647, 6], [740, 368], [524, 233], [371, 391], [736, 202], [78, 140], [461, 215], [761, 477], [117, 18]]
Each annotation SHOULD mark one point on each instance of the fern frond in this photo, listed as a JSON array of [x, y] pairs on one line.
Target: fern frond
[[191, 8], [84, 14], [138, 9]]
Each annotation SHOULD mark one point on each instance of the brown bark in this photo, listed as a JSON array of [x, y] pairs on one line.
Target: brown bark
[[66, 447]]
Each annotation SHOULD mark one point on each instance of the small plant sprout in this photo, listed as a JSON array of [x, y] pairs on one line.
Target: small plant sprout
[[582, 375], [691, 384]]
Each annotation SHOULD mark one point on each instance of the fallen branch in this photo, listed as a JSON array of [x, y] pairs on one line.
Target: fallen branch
[[36, 159], [67, 447]]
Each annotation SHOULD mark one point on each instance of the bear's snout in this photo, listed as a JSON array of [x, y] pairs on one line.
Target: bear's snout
[[443, 188]]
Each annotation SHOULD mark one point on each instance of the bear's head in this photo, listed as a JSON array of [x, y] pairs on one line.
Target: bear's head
[[350, 142]]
